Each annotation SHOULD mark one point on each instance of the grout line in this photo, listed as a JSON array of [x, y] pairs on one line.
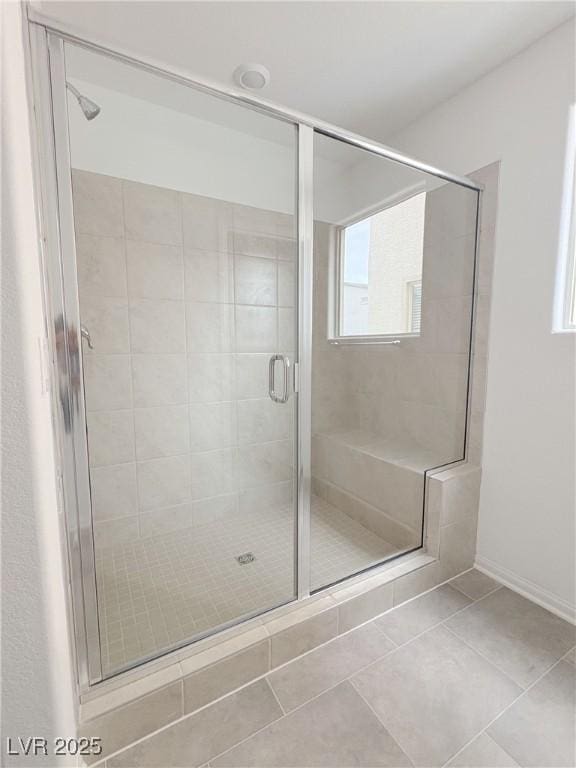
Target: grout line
[[489, 661], [500, 714], [371, 708], [523, 691], [246, 685], [382, 632], [565, 657], [481, 733], [455, 586], [363, 624], [433, 626], [275, 695]]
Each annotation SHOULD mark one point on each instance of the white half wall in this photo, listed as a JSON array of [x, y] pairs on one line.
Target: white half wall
[[519, 114], [38, 691]]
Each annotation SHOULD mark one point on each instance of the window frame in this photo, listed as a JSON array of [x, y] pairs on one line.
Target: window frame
[[411, 286], [336, 281], [564, 304]]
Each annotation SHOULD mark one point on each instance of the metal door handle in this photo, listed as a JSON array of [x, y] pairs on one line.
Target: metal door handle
[[283, 398], [85, 333]]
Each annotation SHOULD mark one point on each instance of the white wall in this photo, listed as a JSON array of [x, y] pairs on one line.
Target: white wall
[[37, 685], [519, 113], [135, 139]]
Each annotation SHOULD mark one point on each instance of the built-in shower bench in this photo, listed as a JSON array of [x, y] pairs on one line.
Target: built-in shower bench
[[377, 481]]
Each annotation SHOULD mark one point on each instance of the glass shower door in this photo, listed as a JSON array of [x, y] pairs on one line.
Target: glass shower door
[[185, 230]]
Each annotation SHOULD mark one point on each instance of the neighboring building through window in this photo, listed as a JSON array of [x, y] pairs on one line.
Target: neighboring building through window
[[381, 272]]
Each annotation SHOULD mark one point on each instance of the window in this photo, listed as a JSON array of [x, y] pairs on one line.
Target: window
[[380, 272], [565, 295], [570, 289]]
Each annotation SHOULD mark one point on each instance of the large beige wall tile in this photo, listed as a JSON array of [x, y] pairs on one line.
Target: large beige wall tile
[[111, 533], [161, 521], [114, 492], [159, 380], [209, 276], [163, 482], [211, 378], [264, 463], [107, 382], [151, 214], [106, 320], [213, 473], [209, 327], [97, 204], [157, 326], [261, 421], [161, 431], [212, 426], [206, 223], [154, 271], [251, 375], [255, 281], [110, 437], [101, 266], [247, 218], [256, 329], [286, 284]]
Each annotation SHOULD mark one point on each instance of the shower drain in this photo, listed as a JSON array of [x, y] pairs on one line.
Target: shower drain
[[246, 558]]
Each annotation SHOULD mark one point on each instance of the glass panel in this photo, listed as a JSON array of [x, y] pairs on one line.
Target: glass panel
[[393, 255], [184, 210]]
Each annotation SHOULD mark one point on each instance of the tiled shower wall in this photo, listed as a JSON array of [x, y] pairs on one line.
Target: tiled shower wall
[[416, 391], [410, 400], [185, 298]]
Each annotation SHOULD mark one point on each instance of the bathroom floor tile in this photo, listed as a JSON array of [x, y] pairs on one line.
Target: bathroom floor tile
[[518, 636], [421, 614], [335, 729], [539, 729], [474, 584], [196, 739], [434, 694], [319, 670], [483, 752]]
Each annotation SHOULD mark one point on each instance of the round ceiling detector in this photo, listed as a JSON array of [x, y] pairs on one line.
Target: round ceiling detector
[[253, 77]]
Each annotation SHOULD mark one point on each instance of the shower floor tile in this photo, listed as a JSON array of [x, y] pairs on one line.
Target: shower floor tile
[[154, 594]]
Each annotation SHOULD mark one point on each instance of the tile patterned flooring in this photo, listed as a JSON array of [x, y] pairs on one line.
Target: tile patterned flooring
[[154, 594], [470, 674]]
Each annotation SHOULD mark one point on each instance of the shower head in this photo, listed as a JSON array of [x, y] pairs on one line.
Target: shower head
[[89, 107]]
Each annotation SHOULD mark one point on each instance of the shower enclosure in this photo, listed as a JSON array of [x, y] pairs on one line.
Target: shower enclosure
[[261, 330]]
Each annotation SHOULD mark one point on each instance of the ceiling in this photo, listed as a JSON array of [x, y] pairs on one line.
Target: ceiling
[[372, 67]]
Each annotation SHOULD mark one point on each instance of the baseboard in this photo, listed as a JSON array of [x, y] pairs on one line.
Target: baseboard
[[527, 589]]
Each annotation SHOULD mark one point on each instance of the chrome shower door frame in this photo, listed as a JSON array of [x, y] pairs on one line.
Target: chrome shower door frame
[[47, 49], [65, 340]]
